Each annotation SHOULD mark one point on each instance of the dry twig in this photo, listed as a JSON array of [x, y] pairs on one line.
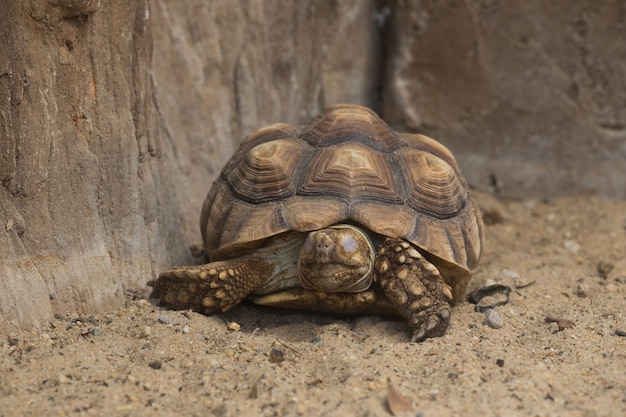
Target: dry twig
[[560, 322]]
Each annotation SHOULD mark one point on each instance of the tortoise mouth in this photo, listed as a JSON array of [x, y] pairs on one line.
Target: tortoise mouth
[[335, 277], [338, 258]]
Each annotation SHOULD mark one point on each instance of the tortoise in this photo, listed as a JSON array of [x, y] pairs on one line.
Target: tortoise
[[342, 215]]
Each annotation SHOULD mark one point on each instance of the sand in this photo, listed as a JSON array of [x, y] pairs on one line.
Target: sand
[[563, 259]]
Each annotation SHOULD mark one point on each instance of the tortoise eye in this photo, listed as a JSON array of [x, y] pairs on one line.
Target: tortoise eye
[[349, 244]]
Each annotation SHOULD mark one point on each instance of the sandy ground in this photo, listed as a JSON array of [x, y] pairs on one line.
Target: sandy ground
[[563, 258]]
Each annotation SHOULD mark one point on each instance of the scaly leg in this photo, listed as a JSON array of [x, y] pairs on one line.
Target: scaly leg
[[213, 286], [415, 287]]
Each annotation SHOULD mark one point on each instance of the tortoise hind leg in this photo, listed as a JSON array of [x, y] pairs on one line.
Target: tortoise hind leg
[[216, 286], [415, 287]]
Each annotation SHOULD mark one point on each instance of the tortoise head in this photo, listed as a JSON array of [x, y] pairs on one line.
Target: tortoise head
[[336, 259]]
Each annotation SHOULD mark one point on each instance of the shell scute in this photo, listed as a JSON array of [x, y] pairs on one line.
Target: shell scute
[[351, 171], [433, 185], [346, 165], [347, 123], [266, 172]]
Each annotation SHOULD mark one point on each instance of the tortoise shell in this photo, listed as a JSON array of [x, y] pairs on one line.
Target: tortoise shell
[[345, 166]]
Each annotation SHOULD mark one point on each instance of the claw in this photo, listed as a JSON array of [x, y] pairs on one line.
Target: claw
[[433, 321], [419, 335], [434, 326]]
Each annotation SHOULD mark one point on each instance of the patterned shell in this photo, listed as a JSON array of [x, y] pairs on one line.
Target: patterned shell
[[346, 165]]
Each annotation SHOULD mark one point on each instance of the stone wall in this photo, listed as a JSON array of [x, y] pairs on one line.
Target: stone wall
[[224, 69], [116, 116], [530, 96]]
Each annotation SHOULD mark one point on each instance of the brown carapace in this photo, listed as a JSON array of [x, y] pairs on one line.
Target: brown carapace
[[345, 172]]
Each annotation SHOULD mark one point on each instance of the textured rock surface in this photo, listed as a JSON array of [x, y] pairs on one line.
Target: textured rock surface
[[530, 96], [107, 149], [224, 69], [82, 200]]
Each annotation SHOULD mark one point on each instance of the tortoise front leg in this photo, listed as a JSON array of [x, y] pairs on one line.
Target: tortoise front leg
[[415, 287], [213, 286]]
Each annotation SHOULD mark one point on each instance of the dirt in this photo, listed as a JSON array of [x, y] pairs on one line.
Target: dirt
[[563, 260]]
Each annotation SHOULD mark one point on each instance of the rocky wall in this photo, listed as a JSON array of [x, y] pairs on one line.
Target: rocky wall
[[530, 96]]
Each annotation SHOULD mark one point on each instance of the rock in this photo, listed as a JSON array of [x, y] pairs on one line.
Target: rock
[[511, 274], [493, 319], [276, 355], [604, 268], [104, 175], [168, 318], [582, 290], [571, 246], [233, 327], [145, 332]]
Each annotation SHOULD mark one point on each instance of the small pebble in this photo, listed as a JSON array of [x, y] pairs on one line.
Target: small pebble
[[245, 348], [185, 329], [493, 319], [571, 246], [233, 327], [276, 355], [163, 319], [620, 332], [604, 268], [582, 290], [155, 364], [511, 274], [97, 331], [145, 332]]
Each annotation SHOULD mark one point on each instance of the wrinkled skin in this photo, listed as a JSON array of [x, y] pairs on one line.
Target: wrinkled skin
[[335, 270]]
